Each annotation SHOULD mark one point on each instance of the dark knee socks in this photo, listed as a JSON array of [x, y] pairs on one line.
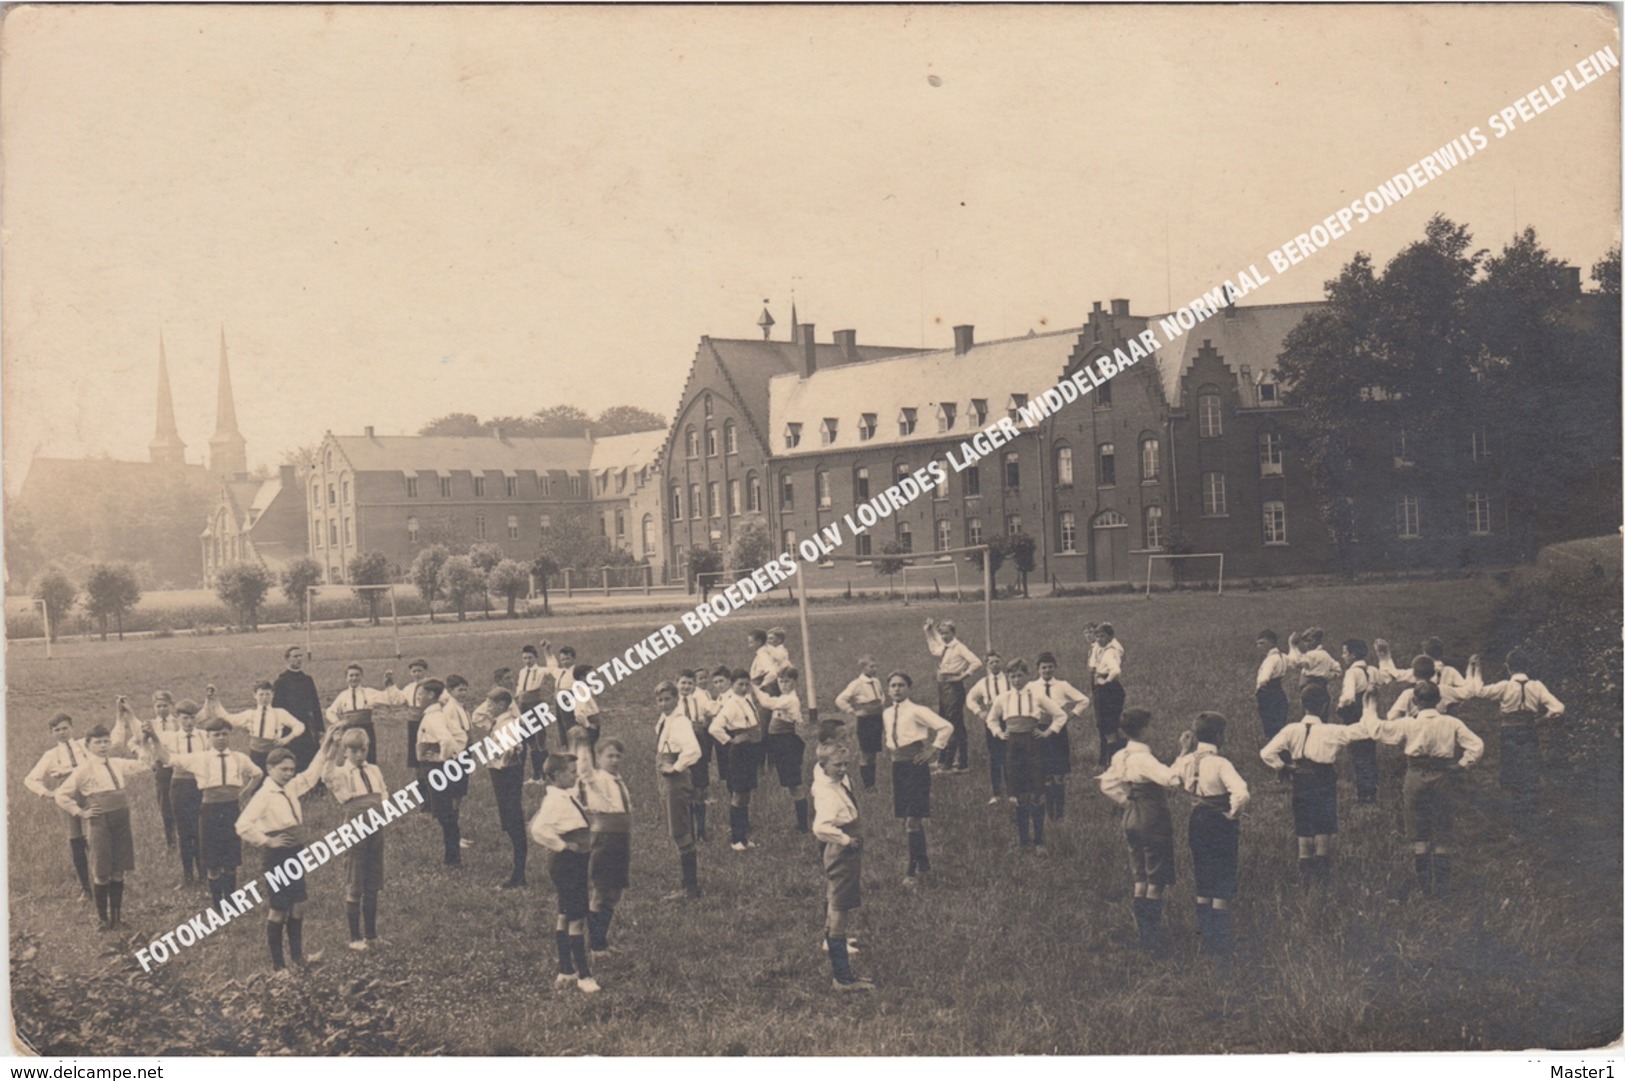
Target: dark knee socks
[[100, 891], [115, 901], [840, 961], [352, 913], [598, 927], [296, 940], [578, 955], [801, 816], [273, 938], [79, 849], [561, 939], [369, 914], [738, 824], [866, 770], [691, 872], [918, 857]]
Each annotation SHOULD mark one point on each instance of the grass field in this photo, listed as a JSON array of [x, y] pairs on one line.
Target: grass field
[[998, 954]]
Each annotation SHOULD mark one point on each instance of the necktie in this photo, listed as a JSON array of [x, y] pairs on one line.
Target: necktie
[[626, 797], [355, 704], [686, 711], [188, 743], [1046, 689], [894, 719], [111, 775], [293, 808], [874, 689], [223, 767], [261, 732], [365, 783], [660, 732], [73, 763]]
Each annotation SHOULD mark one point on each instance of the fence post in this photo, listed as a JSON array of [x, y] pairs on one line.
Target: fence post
[[648, 579], [604, 572], [568, 582]]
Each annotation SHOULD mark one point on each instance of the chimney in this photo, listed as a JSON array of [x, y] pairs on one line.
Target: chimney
[[285, 474], [1098, 307], [1119, 307], [809, 351], [1571, 280], [964, 338], [847, 342], [368, 430]]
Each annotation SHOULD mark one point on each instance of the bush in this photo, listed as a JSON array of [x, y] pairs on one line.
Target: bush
[[110, 592], [297, 579], [370, 569], [243, 587], [463, 584], [58, 594]]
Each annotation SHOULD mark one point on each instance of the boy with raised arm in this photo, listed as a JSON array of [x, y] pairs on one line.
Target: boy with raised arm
[[352, 707], [267, 726], [1308, 748], [274, 821], [1522, 702]]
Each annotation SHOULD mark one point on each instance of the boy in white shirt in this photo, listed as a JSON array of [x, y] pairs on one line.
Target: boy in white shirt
[[914, 736], [1024, 720], [97, 794], [268, 726], [1219, 795], [55, 766], [1106, 679], [786, 750], [1138, 781], [274, 821], [1058, 745], [979, 700], [358, 785], [441, 738], [864, 700], [561, 827], [677, 750], [956, 663], [1309, 748], [835, 825], [1522, 702], [222, 775]]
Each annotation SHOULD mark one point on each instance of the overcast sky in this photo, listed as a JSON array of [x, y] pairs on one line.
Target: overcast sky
[[397, 213]]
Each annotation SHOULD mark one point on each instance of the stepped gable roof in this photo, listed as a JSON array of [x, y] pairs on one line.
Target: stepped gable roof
[[1251, 335]]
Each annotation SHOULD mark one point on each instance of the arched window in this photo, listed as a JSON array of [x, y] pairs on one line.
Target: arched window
[[753, 493], [1110, 519], [1069, 531], [1150, 460], [733, 498], [1063, 466], [1209, 417], [708, 406], [691, 443], [730, 437], [822, 488], [1153, 527], [1108, 465], [648, 535], [860, 483], [677, 502], [787, 491]]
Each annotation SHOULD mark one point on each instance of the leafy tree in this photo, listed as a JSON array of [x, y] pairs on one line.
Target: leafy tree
[[303, 460], [463, 583], [887, 564], [369, 568], [752, 547], [111, 590], [543, 567], [995, 558], [485, 555], [625, 419], [1605, 272], [1023, 551], [454, 424], [243, 587], [562, 420], [426, 574], [58, 593], [510, 578], [297, 579], [703, 561]]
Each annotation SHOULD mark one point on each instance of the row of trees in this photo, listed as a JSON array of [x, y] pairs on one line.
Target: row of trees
[[110, 591], [558, 420]]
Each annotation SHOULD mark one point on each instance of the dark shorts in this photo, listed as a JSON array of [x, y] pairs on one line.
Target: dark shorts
[[843, 867], [1429, 801], [187, 800], [294, 893], [1057, 749], [786, 751], [221, 845], [1024, 763], [1150, 833], [1215, 848], [1272, 708], [111, 843], [871, 733], [910, 789], [744, 763], [364, 865], [609, 864], [413, 723], [568, 870], [699, 774], [1314, 799]]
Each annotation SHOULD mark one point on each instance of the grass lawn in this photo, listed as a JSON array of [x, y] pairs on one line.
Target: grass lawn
[[998, 954]]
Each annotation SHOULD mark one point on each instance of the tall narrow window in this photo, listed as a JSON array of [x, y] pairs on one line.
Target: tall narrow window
[[940, 489], [620, 525], [1269, 454], [945, 534], [1063, 466], [867, 427], [544, 484], [691, 443], [1481, 444], [905, 421], [865, 545], [1274, 522], [787, 491], [973, 531], [753, 493], [648, 535], [677, 502], [445, 487], [730, 437], [412, 530], [1013, 524], [1209, 417], [946, 414], [1150, 460], [711, 445], [1069, 531], [575, 484], [332, 496], [513, 527], [821, 488], [479, 486], [411, 487], [513, 487], [1402, 449], [1213, 495], [860, 483], [1108, 465], [695, 508], [1103, 395], [1012, 471], [733, 499], [1478, 513], [713, 502], [1408, 516], [479, 527], [1153, 528], [978, 411], [544, 524], [828, 430], [792, 436], [905, 536], [973, 480]]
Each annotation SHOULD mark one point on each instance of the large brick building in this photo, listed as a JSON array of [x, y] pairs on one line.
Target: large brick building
[[1192, 451], [399, 494]]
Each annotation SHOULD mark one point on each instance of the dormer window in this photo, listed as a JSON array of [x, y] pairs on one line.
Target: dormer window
[[1269, 393], [868, 424], [906, 421], [827, 430], [792, 436], [1018, 402], [945, 416], [978, 411]]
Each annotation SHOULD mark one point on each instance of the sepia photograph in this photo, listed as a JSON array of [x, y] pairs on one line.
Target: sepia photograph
[[814, 530]]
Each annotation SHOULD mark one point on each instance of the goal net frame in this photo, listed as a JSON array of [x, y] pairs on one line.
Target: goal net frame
[[1151, 565], [929, 569], [310, 610]]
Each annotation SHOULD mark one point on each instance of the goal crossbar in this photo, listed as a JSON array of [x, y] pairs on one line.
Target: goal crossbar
[[1151, 565]]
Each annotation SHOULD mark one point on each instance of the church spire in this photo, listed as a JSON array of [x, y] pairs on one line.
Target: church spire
[[166, 447], [228, 451]]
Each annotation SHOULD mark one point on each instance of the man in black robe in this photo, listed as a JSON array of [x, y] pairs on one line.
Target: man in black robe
[[295, 692]]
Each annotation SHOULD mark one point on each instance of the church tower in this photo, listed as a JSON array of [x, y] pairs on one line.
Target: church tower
[[166, 447], [228, 451]]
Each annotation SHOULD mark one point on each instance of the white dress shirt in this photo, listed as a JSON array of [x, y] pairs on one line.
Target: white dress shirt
[[218, 769], [265, 724], [834, 806], [1134, 764], [955, 660], [1106, 661], [276, 807], [863, 696], [979, 699], [355, 699], [95, 776], [675, 742], [1359, 678], [560, 813], [1205, 772], [55, 765], [1068, 698], [1316, 663], [1028, 701], [348, 782], [1273, 667], [1430, 734], [445, 727], [734, 717], [1520, 694], [1313, 740], [768, 663], [909, 722]]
